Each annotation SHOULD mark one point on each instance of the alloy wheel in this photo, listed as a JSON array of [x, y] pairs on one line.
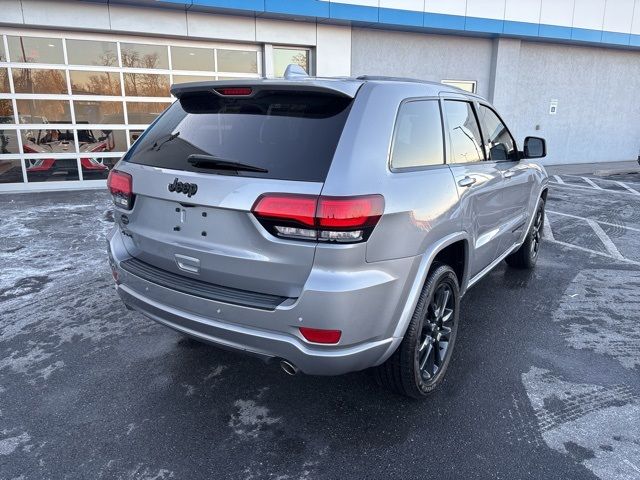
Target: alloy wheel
[[435, 339]]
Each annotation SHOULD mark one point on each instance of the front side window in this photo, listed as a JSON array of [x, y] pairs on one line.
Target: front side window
[[464, 134], [497, 139], [417, 139]]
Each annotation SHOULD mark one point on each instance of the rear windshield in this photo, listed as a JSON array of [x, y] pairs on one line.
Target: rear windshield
[[293, 135]]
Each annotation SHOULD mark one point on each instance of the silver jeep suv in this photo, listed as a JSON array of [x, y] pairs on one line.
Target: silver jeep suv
[[329, 224]]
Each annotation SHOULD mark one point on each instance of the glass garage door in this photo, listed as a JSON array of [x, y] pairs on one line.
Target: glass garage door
[[70, 107]]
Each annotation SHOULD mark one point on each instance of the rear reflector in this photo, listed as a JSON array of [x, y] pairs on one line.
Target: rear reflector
[[317, 335], [120, 184], [326, 219], [234, 91]]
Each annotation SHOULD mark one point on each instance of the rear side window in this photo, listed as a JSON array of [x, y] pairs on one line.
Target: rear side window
[[293, 135], [497, 139], [464, 134], [417, 138]]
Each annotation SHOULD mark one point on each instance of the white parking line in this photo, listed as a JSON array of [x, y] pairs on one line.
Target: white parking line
[[581, 187], [602, 235], [558, 179], [599, 221], [546, 228], [624, 185], [590, 182], [593, 252]]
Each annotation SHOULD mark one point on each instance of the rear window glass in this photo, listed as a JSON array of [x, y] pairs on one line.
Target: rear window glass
[[293, 135]]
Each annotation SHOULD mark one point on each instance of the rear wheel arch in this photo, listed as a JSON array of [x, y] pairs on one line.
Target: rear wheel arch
[[456, 255]]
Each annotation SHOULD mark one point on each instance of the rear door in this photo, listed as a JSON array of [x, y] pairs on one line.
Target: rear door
[[479, 183], [194, 219], [518, 184]]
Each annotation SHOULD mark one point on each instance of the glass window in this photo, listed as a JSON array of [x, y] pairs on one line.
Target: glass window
[[143, 113], [466, 85], [187, 58], [146, 85], [10, 171], [32, 80], [6, 111], [8, 141], [102, 141], [35, 49], [282, 57], [466, 143], [237, 61], [98, 112], [44, 111], [4, 80], [95, 83], [96, 168], [497, 140], [135, 55], [191, 78], [417, 140], [134, 135], [51, 170], [48, 141], [3, 55], [92, 52], [255, 131]]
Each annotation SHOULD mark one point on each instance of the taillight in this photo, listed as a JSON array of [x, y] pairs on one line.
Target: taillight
[[317, 335], [120, 184], [325, 219]]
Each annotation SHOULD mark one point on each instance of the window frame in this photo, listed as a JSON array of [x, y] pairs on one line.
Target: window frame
[[484, 145], [445, 146], [472, 101]]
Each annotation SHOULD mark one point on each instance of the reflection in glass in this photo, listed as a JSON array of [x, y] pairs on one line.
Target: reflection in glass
[[237, 61], [134, 135], [102, 141], [48, 141], [44, 111], [146, 85], [143, 113], [35, 49], [191, 78], [95, 83], [92, 52], [6, 111], [3, 55], [10, 171], [96, 168], [135, 55], [8, 141], [51, 170], [282, 57], [417, 140], [187, 58], [32, 80], [4, 80], [466, 142], [98, 112]]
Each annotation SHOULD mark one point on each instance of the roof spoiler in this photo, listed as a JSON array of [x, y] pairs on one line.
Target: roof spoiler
[[296, 83]]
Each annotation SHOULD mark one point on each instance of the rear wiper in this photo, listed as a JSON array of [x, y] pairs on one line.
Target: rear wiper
[[211, 161], [167, 138]]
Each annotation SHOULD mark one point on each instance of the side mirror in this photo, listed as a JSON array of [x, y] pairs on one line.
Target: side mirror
[[535, 147]]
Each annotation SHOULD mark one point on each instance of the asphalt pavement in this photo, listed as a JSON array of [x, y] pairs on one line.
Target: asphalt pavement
[[544, 382]]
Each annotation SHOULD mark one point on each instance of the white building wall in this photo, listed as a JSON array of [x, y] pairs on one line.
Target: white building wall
[[428, 57]]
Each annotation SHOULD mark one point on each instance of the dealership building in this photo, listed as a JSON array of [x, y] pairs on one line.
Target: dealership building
[[80, 80]]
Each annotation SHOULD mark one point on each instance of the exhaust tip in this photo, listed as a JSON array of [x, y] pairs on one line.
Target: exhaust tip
[[288, 367]]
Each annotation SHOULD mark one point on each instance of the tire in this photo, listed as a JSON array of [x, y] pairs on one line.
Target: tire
[[402, 372], [527, 255]]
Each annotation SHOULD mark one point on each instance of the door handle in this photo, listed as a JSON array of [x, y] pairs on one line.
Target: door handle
[[467, 181], [509, 174]]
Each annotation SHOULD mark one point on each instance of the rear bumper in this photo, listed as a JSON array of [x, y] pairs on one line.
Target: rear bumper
[[364, 305]]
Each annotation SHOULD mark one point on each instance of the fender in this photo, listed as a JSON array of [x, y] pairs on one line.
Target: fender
[[418, 283]]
